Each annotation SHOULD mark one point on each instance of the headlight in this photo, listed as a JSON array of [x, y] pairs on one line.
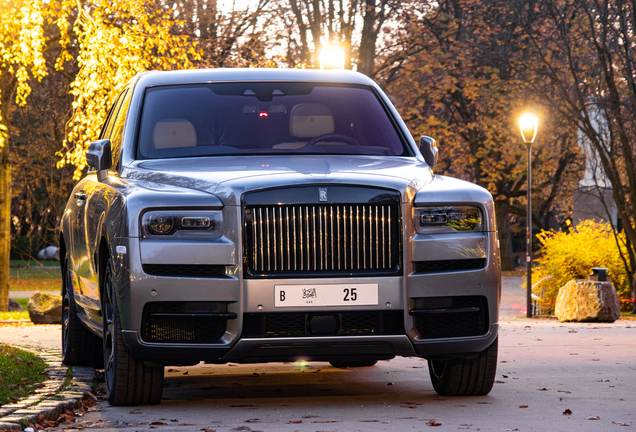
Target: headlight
[[447, 219], [184, 224]]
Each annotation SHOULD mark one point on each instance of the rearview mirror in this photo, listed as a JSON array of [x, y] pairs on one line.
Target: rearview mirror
[[428, 148], [98, 156]]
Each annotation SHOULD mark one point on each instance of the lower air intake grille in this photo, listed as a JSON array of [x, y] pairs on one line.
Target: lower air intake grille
[[184, 322], [450, 265], [446, 317], [273, 325], [184, 270]]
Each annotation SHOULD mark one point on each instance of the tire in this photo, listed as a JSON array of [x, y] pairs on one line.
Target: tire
[[473, 376], [128, 380], [80, 347], [351, 364]]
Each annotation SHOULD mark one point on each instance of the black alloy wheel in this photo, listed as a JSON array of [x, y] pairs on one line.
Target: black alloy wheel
[[128, 380]]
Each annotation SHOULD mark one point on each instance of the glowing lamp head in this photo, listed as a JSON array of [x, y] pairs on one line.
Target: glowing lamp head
[[331, 57], [528, 124]]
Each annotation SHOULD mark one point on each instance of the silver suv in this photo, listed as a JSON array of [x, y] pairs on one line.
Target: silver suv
[[267, 215]]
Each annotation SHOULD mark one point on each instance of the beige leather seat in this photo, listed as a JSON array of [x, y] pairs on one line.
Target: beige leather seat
[[308, 120], [174, 133]]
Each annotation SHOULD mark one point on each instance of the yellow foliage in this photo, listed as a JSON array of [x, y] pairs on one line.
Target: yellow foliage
[[571, 254], [114, 46], [21, 48]]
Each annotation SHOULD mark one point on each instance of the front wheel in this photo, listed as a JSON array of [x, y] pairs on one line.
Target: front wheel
[[128, 380], [471, 376]]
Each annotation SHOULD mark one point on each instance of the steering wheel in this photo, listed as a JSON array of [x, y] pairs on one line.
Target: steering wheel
[[332, 137]]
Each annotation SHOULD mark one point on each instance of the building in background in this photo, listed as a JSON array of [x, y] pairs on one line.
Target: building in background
[[593, 197]]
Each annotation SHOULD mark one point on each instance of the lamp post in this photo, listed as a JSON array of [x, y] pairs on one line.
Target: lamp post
[[528, 124]]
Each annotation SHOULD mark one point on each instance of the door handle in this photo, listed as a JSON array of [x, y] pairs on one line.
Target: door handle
[[80, 198]]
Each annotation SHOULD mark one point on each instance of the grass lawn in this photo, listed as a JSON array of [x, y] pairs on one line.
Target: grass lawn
[[20, 373], [35, 279], [17, 315]]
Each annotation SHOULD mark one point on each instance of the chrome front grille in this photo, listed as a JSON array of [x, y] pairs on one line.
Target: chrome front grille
[[322, 239]]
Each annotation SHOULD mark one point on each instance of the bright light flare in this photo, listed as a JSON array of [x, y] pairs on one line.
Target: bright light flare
[[332, 57], [528, 124]]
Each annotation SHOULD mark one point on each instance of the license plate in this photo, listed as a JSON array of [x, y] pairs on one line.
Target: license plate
[[326, 295]]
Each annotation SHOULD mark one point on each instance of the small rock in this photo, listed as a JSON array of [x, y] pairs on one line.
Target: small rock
[[45, 308], [586, 300], [14, 306]]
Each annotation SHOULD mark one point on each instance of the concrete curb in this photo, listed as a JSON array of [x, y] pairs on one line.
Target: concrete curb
[[65, 387]]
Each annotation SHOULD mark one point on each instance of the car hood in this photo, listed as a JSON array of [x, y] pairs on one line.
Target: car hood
[[228, 177]]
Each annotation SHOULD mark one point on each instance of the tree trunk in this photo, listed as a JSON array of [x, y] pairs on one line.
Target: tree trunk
[[503, 234], [366, 55], [5, 225]]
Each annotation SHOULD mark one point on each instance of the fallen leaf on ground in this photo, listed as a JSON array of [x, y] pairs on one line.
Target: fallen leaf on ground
[[567, 412], [523, 406], [432, 422], [621, 424], [295, 421], [253, 421], [409, 406], [391, 383], [593, 418], [325, 421], [543, 389], [310, 416], [158, 423]]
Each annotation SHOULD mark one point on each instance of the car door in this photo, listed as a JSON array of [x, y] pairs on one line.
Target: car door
[[90, 196]]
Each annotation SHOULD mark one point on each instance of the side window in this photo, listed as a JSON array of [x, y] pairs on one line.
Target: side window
[[118, 130], [110, 120]]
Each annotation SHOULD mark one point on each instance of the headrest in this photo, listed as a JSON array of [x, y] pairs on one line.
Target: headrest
[[173, 133], [310, 120]]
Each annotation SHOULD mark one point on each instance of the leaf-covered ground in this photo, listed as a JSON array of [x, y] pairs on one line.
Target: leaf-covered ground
[[20, 373]]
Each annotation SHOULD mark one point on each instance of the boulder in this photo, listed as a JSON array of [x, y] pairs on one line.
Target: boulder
[[45, 308], [587, 300], [14, 306]]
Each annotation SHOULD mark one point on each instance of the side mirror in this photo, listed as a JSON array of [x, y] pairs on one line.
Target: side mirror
[[98, 156], [428, 148]]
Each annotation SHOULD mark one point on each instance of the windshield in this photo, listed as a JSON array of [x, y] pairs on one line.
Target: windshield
[[264, 118]]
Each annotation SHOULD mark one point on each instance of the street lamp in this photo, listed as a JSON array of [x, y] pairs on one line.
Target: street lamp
[[528, 124]]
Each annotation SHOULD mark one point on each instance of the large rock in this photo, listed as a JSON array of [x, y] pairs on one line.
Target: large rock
[[587, 300], [45, 308]]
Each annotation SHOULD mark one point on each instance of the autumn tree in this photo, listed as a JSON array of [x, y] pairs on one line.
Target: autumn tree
[[355, 25], [21, 45], [233, 37], [115, 44], [585, 63], [455, 79], [105, 46]]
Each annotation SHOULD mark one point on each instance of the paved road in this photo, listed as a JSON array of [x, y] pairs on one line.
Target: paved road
[[545, 365]]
